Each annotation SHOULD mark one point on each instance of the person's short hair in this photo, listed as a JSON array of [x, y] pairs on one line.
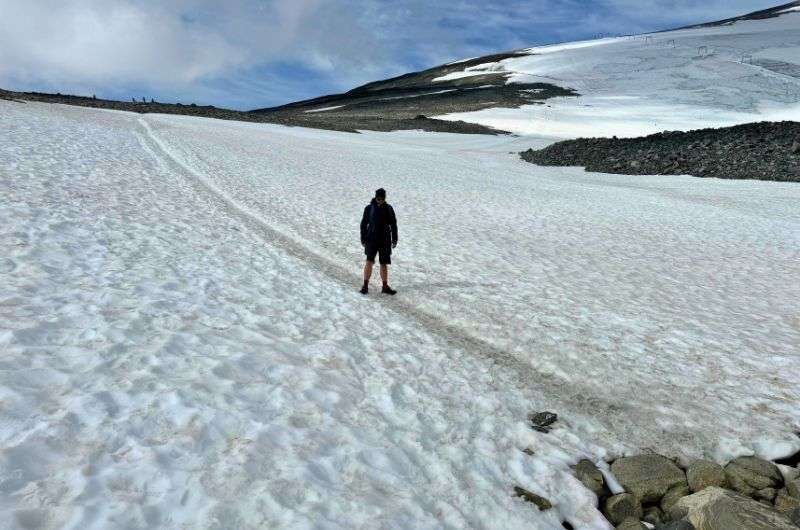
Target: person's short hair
[[380, 193]]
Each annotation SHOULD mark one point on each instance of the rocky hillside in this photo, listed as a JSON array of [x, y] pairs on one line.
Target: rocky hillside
[[300, 119], [402, 102], [765, 151]]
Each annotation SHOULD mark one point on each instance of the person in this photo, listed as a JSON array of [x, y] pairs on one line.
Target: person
[[378, 237]]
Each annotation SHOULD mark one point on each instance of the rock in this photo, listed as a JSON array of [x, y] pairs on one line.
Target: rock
[[793, 488], [674, 495], [590, 476], [786, 503], [703, 473], [653, 515], [540, 502], [635, 164], [796, 148], [718, 509], [621, 507], [649, 477], [789, 473], [630, 524], [748, 474], [767, 494], [541, 421], [683, 524], [794, 516]]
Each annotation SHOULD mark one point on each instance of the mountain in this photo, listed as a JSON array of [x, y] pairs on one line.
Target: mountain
[[722, 73]]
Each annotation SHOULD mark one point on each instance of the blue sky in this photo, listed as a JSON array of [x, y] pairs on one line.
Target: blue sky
[[249, 54]]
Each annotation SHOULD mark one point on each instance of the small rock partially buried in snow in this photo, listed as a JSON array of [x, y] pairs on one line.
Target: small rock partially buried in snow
[[540, 502]]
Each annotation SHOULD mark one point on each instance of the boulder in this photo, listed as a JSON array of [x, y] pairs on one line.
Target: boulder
[[748, 474], [630, 524], [785, 503], [703, 473], [540, 502], [653, 515], [683, 524], [590, 476], [796, 148], [621, 507], [718, 509], [794, 516], [649, 477], [674, 495], [767, 494], [793, 488]]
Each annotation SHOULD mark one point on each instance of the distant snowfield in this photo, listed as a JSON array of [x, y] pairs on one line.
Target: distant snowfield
[[676, 80], [184, 347]]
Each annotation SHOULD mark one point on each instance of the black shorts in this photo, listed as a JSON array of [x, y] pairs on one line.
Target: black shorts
[[384, 252]]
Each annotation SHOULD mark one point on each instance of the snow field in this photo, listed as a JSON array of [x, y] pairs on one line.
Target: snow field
[[167, 365], [184, 346], [674, 80]]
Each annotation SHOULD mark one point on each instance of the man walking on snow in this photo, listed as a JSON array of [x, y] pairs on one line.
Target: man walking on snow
[[379, 237]]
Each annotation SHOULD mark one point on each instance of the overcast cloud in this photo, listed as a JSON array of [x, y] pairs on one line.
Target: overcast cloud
[[256, 53]]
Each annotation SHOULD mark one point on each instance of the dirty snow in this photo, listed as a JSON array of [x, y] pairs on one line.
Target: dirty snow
[[184, 347]]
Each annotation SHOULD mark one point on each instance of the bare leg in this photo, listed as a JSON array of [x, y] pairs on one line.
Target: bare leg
[[385, 274], [368, 271]]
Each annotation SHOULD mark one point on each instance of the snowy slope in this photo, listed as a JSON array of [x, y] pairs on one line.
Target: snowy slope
[[708, 76], [184, 347]]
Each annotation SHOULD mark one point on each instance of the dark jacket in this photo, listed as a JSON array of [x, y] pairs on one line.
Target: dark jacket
[[378, 224]]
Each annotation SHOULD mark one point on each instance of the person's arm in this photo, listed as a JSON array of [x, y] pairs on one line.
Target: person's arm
[[393, 223], [364, 223]]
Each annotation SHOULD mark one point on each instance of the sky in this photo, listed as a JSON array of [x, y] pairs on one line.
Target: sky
[[247, 54]]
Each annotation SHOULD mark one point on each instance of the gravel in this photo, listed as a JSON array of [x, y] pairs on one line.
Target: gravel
[[763, 151]]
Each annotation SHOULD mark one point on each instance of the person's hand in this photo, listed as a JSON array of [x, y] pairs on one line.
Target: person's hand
[[394, 245], [363, 244]]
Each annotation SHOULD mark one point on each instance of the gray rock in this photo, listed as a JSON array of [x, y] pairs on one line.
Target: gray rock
[[653, 515], [649, 477], [718, 509], [794, 516], [590, 476], [674, 495], [683, 524], [621, 507], [703, 473], [793, 488], [630, 524], [796, 148], [767, 494], [748, 474], [540, 502], [785, 503]]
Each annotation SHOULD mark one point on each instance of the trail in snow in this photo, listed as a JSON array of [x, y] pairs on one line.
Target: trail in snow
[[578, 397], [625, 295]]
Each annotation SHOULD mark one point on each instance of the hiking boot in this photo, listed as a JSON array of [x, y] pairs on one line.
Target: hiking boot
[[388, 290], [364, 290]]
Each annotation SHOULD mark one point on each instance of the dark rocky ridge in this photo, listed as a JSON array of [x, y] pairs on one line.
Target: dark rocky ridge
[[352, 124], [763, 151], [403, 99]]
